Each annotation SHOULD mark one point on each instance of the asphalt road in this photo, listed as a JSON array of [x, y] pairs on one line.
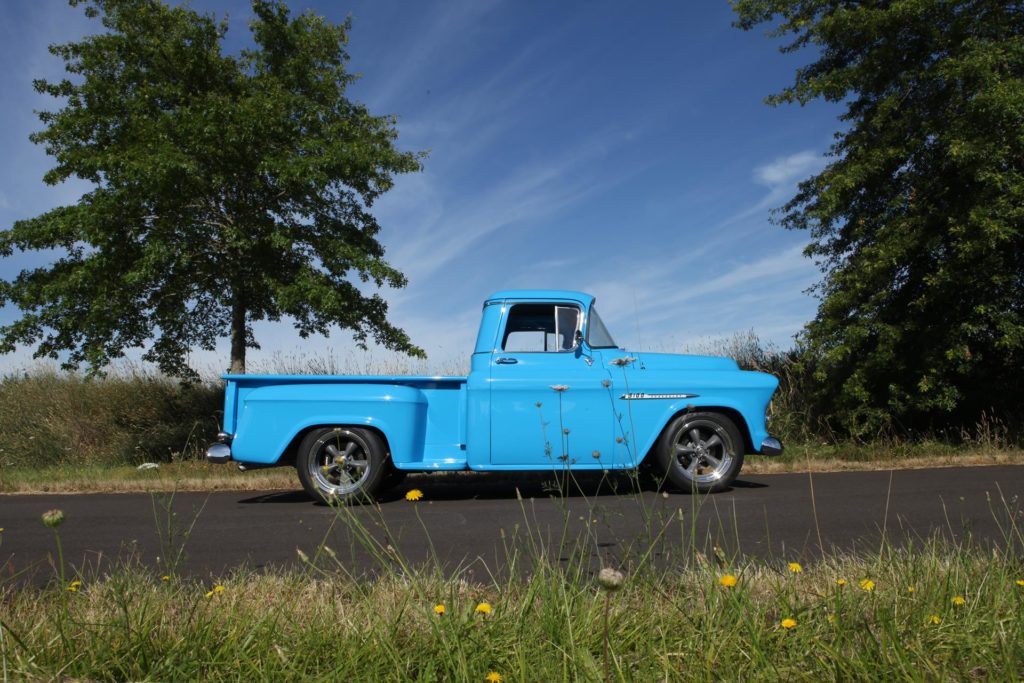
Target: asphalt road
[[478, 524]]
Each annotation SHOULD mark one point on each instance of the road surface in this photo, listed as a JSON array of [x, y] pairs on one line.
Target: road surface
[[476, 523]]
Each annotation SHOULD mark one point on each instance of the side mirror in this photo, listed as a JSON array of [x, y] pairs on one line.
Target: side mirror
[[579, 337]]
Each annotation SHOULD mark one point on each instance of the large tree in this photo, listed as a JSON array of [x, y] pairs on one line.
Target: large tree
[[228, 189], [918, 220]]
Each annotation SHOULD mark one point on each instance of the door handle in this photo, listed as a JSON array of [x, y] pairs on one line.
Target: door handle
[[506, 361]]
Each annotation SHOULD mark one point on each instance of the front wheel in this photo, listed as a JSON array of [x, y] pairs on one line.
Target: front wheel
[[701, 452], [341, 464]]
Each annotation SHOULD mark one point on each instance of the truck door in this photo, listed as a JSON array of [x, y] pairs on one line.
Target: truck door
[[550, 406]]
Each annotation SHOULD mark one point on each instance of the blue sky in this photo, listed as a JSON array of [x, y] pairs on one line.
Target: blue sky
[[621, 149]]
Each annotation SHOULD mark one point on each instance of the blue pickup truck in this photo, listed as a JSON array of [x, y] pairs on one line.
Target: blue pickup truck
[[548, 389]]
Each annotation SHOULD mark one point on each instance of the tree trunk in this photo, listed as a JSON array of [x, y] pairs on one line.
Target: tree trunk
[[237, 336]]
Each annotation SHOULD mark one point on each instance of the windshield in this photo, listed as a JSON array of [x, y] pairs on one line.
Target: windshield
[[597, 334]]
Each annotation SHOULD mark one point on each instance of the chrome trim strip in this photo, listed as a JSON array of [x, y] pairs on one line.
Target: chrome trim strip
[[647, 397]]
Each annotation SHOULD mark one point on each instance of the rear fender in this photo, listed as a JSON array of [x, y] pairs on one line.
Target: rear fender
[[272, 417]]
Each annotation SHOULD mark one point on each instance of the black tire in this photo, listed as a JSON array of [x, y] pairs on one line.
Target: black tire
[[701, 452], [341, 464]]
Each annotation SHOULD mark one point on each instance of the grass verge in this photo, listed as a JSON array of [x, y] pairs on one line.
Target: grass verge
[[927, 613]]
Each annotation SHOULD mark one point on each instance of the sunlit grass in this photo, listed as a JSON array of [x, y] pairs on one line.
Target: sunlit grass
[[933, 612]]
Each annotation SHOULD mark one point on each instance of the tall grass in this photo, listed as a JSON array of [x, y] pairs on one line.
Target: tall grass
[[49, 418]]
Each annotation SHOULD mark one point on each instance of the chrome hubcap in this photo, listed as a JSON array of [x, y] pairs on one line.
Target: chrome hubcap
[[339, 462], [702, 450]]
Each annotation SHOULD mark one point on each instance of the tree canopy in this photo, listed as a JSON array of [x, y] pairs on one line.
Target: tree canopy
[[227, 189], [918, 220]]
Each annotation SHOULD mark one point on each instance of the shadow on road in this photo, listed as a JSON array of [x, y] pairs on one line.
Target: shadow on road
[[455, 486]]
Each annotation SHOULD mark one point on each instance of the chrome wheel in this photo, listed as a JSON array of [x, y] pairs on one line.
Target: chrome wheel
[[340, 463], [701, 450]]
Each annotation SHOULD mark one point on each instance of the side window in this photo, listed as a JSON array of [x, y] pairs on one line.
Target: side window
[[541, 328]]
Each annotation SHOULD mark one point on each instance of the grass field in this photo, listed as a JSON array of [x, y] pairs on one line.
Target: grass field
[[934, 611]]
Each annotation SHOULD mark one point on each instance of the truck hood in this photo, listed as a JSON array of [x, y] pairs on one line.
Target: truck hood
[[680, 361]]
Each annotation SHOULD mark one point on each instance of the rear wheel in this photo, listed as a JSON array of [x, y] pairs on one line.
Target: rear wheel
[[701, 452], [341, 464]]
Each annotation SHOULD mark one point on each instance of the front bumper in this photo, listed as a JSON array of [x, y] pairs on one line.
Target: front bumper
[[220, 452], [770, 446]]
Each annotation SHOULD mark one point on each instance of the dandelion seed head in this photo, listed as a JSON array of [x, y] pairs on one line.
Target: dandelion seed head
[[53, 518], [610, 579]]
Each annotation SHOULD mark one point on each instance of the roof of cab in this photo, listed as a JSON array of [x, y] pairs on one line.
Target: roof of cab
[[542, 295]]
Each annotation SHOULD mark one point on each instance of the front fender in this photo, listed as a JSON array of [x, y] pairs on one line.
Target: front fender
[[650, 421]]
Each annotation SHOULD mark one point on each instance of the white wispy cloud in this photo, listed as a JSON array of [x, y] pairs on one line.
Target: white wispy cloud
[[786, 170]]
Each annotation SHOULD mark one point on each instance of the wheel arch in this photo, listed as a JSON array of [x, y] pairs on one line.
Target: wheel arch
[[291, 451], [734, 415]]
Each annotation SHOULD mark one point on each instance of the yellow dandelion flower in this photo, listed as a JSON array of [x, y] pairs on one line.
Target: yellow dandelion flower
[[958, 600], [439, 610], [831, 618], [911, 589], [795, 567], [867, 584], [1020, 582], [218, 588], [74, 586], [840, 582], [935, 619], [727, 580], [413, 494], [209, 594], [483, 608], [788, 623], [165, 578], [493, 677], [2, 530]]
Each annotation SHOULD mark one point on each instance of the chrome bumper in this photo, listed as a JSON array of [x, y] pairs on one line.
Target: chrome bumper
[[770, 446], [220, 452]]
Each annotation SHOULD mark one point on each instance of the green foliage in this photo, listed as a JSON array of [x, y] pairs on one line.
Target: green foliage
[[918, 221], [228, 189]]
